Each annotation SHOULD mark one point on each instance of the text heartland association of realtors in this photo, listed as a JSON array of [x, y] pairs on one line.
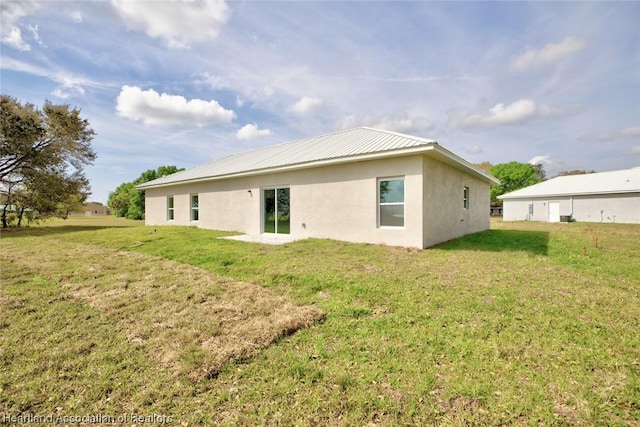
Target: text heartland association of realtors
[[87, 419]]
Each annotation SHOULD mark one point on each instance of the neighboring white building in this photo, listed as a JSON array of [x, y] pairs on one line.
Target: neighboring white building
[[596, 197], [359, 185], [92, 209]]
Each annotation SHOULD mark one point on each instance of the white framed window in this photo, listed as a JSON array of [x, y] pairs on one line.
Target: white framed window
[[170, 210], [391, 202], [194, 207], [465, 198]]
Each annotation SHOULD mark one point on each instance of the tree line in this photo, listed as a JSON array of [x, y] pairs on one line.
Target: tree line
[[128, 202]]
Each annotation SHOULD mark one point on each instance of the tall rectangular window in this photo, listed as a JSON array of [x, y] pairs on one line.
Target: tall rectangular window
[[194, 207], [465, 198], [391, 202], [170, 208]]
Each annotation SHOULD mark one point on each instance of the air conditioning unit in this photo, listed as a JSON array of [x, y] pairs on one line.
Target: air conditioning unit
[[565, 218]]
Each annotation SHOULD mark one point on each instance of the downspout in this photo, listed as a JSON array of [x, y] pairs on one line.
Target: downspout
[[571, 214]]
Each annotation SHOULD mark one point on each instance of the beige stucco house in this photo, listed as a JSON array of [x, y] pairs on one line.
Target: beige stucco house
[[359, 185]]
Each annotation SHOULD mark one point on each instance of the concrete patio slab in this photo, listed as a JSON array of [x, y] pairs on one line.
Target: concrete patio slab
[[267, 238]]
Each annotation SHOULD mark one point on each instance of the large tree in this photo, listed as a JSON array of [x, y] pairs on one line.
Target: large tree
[[43, 153], [514, 176], [126, 201]]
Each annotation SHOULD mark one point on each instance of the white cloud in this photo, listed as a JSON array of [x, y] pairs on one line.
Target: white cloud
[[251, 131], [14, 39], [168, 110], [77, 17], [628, 132], [59, 93], [635, 149], [118, 170], [268, 91], [549, 54], [400, 122], [177, 22], [305, 105], [214, 82], [501, 114], [551, 166], [10, 13], [67, 82], [475, 149], [35, 33]]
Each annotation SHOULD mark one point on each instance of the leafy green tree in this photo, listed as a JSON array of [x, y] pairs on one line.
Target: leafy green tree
[[120, 199], [43, 153], [514, 176], [128, 202]]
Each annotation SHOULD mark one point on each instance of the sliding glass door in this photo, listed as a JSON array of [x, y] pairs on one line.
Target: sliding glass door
[[275, 210]]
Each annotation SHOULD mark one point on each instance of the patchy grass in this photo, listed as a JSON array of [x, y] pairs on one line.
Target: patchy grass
[[523, 324], [187, 319]]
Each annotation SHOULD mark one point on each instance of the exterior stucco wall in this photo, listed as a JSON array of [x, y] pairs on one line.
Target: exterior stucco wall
[[445, 217], [341, 202], [336, 202], [623, 208]]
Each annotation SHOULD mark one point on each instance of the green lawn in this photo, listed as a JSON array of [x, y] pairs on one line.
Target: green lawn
[[525, 324]]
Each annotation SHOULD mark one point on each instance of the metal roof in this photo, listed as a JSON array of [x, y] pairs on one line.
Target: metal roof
[[339, 147], [620, 181]]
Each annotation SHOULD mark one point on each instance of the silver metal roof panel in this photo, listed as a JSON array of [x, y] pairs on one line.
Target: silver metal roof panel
[[336, 147]]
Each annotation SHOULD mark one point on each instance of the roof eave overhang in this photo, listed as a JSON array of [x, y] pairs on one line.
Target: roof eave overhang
[[432, 149]]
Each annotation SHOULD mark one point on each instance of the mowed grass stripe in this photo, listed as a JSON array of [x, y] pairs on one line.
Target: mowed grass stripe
[[188, 319]]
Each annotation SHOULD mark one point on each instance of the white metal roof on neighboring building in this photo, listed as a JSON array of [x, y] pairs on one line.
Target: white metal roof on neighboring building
[[620, 181], [349, 145]]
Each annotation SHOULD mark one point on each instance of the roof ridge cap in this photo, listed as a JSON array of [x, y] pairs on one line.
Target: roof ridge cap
[[404, 135]]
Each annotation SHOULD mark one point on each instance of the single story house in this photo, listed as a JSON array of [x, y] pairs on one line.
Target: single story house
[[595, 197], [92, 209], [359, 185]]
